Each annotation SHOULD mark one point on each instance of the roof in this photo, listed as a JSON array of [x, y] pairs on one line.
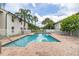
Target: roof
[[66, 17], [58, 22], [11, 13], [1, 11]]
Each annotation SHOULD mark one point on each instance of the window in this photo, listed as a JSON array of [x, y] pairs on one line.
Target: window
[[21, 28], [20, 20], [12, 29], [24, 28], [13, 17]]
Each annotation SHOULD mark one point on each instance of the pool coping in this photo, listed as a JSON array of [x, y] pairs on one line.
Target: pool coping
[[29, 35], [15, 40], [55, 38], [12, 41]]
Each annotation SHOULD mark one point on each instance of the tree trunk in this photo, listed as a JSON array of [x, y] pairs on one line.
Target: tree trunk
[[50, 27], [0, 47], [24, 23]]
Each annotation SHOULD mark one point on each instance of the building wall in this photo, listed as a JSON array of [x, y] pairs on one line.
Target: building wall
[[26, 26], [6, 24], [2, 22], [57, 26], [16, 24]]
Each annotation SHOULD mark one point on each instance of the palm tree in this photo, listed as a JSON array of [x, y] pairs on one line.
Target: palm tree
[[28, 15], [35, 19], [24, 14], [29, 18], [21, 14]]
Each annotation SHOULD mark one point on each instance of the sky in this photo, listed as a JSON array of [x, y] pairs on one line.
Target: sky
[[55, 11]]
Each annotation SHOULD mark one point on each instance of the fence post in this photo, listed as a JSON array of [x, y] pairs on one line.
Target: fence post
[[0, 47]]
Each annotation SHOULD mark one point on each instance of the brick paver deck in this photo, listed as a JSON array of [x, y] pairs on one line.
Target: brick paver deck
[[68, 46]]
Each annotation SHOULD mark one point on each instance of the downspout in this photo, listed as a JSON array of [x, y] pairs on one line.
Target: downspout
[[6, 25]]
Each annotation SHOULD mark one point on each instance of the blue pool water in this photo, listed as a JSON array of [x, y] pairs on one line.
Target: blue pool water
[[22, 42]]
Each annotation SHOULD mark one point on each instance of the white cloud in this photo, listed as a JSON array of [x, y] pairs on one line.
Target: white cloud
[[34, 5], [13, 7], [70, 7], [54, 18], [66, 9], [40, 19]]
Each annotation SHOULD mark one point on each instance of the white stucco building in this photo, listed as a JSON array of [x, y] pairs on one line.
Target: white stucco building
[[57, 26], [10, 24]]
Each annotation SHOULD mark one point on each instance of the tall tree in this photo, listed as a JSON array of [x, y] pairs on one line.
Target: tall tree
[[70, 23], [48, 23], [24, 14], [29, 18], [35, 19]]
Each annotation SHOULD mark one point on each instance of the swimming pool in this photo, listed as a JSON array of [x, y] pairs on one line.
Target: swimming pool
[[25, 41]]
